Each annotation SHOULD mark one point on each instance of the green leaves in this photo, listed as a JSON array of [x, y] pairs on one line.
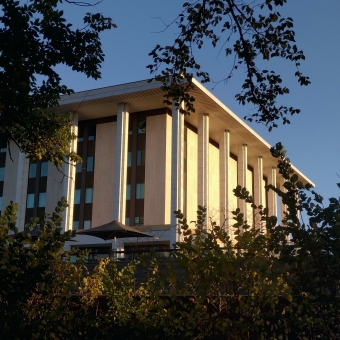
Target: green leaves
[[258, 34], [35, 37]]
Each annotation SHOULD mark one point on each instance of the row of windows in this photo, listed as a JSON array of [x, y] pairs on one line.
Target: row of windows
[[33, 170], [141, 126], [88, 195], [91, 133], [139, 191], [41, 200], [140, 158], [87, 225], [89, 165], [139, 220]]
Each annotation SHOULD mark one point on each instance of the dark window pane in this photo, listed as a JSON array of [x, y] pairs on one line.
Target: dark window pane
[[80, 134], [139, 190], [89, 164], [139, 220], [88, 195], [75, 225], [92, 132], [79, 167], [3, 143], [87, 224], [128, 191], [2, 174], [140, 157], [77, 196], [44, 169], [142, 126], [30, 201], [32, 171], [42, 200]]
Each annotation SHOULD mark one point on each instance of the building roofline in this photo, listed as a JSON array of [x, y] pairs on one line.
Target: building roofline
[[92, 97]]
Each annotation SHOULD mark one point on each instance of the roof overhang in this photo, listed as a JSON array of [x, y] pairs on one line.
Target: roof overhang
[[145, 95]]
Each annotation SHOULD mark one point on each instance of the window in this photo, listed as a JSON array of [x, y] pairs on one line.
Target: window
[[30, 201], [127, 221], [77, 196], [75, 225], [89, 164], [128, 191], [142, 126], [140, 157], [79, 167], [139, 220], [139, 190], [87, 224], [80, 134], [32, 171], [129, 159], [92, 132], [130, 127], [44, 169], [42, 200], [88, 195], [3, 144], [2, 174]]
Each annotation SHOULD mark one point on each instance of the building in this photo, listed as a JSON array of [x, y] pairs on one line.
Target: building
[[142, 160]]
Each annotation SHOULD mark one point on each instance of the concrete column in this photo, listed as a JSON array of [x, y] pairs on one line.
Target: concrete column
[[258, 187], [69, 181], [272, 204], [224, 150], [283, 207], [119, 200], [242, 167], [203, 161], [177, 160], [15, 182]]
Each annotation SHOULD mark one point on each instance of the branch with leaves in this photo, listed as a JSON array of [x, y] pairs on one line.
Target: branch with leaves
[[35, 38], [249, 31]]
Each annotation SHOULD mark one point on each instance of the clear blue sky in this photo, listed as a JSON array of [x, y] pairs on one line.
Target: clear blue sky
[[312, 139]]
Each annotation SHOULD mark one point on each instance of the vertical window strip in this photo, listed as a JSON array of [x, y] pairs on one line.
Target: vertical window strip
[[85, 174], [36, 189]]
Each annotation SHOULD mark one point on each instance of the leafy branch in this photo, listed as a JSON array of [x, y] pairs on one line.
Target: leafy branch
[[259, 33]]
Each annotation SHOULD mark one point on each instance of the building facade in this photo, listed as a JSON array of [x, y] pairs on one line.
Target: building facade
[[142, 159]]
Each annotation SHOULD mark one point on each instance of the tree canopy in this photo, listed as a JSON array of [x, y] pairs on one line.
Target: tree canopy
[[270, 281], [35, 37], [250, 32]]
